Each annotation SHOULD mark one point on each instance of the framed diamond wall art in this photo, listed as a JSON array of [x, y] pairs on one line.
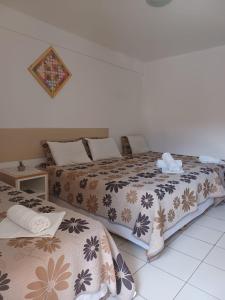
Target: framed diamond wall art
[[50, 71]]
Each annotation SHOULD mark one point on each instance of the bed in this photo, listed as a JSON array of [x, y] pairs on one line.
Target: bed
[[134, 199], [80, 262]]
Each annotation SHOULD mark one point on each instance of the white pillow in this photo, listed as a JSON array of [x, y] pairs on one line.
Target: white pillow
[[138, 144], [103, 148], [68, 153]]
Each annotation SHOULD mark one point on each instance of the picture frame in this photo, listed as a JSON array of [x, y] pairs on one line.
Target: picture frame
[[50, 71]]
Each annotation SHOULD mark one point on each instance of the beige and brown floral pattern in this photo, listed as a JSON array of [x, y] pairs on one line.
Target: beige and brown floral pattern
[[93, 184], [108, 273], [105, 244], [48, 244], [188, 200], [171, 215], [134, 193], [51, 280], [199, 188], [78, 259], [132, 197], [176, 202], [206, 188], [92, 204], [126, 215], [19, 242], [161, 220]]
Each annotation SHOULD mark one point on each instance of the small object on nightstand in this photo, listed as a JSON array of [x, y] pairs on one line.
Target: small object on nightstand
[[31, 180], [21, 167]]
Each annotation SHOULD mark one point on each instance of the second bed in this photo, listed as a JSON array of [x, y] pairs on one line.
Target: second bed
[[132, 197]]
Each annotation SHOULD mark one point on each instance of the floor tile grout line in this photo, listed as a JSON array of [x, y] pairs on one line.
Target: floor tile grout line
[[133, 255], [208, 216], [223, 248], [138, 294], [158, 268], [223, 235], [170, 247], [143, 297], [136, 258], [198, 260], [218, 268], [179, 251], [200, 225], [197, 288], [202, 240], [146, 263], [139, 269], [200, 264], [215, 246], [221, 219], [201, 261], [211, 227], [185, 283], [161, 271], [203, 291]]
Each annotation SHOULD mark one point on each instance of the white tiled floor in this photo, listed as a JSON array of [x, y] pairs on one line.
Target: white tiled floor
[[221, 242], [191, 246], [191, 267]]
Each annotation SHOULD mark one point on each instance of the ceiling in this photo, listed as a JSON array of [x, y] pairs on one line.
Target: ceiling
[[133, 27]]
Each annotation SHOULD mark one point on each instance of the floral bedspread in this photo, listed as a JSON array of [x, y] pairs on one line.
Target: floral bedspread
[[134, 193], [80, 259]]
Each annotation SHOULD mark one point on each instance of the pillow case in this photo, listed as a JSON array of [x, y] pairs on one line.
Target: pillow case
[[138, 144], [126, 149], [47, 152], [103, 148], [68, 153]]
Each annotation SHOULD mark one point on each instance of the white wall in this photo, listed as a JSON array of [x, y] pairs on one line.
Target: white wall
[[104, 90], [183, 106], [183, 103]]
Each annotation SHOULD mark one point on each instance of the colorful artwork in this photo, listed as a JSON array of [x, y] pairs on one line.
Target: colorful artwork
[[50, 71]]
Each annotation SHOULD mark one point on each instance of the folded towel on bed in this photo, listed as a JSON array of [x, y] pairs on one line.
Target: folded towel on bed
[[169, 165], [28, 219], [161, 164], [9, 229], [210, 160]]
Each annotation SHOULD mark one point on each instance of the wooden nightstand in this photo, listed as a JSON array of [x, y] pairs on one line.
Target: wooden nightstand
[[31, 181]]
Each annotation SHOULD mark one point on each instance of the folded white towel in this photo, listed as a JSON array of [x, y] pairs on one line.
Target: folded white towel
[[28, 219], [10, 230], [168, 158], [169, 165], [209, 159], [172, 164], [161, 164]]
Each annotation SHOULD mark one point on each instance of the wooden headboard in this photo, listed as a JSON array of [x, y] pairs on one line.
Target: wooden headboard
[[24, 143]]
